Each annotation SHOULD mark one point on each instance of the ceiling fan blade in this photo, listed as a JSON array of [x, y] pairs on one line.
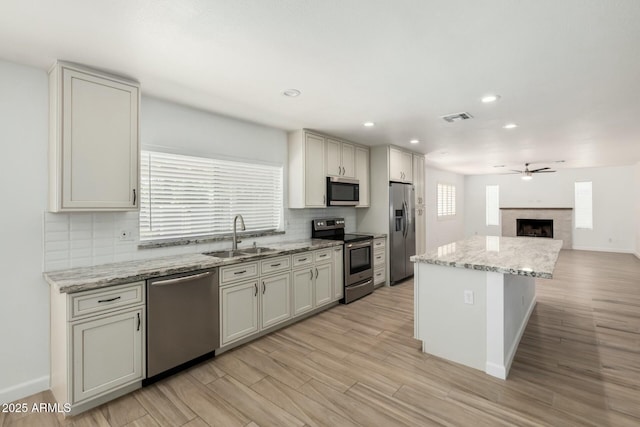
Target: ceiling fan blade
[[544, 172], [510, 173], [516, 171], [538, 170]]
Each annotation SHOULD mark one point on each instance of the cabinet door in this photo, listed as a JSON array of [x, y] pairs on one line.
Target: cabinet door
[[421, 230], [338, 276], [348, 160], [362, 174], [334, 163], [303, 290], [395, 165], [99, 143], [407, 166], [323, 284], [418, 178], [276, 299], [239, 311], [107, 353], [315, 183]]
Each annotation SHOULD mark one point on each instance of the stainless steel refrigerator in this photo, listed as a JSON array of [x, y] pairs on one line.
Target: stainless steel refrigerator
[[402, 231]]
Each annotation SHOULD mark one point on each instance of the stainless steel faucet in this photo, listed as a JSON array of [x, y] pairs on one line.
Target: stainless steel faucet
[[235, 241]]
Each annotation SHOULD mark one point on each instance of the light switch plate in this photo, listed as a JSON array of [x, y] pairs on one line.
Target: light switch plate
[[468, 297]]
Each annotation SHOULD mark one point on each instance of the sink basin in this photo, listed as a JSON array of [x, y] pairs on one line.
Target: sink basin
[[225, 254], [257, 250]]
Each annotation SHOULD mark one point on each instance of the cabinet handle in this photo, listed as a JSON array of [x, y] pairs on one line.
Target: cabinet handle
[[135, 197], [138, 322], [302, 259], [311, 271], [108, 300], [324, 199], [275, 265], [240, 272], [316, 273], [255, 285], [264, 288]]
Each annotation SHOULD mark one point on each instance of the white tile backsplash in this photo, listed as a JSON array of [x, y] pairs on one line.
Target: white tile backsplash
[[86, 239]]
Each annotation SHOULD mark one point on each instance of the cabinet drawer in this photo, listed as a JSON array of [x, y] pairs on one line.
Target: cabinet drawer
[[302, 259], [322, 255], [379, 276], [378, 258], [94, 302], [273, 265], [379, 243], [232, 273]]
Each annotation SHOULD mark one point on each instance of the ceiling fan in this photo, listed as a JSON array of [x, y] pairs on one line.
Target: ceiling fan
[[527, 174]]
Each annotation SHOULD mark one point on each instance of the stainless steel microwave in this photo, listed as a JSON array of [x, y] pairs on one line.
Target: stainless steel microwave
[[342, 191]]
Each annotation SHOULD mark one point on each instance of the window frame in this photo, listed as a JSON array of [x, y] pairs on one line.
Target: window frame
[[577, 209], [451, 209], [497, 205]]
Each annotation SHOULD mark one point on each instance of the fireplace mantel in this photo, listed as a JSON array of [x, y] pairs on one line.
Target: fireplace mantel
[[562, 221]]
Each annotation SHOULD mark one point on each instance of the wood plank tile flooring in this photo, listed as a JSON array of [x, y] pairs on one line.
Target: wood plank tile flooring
[[357, 365]]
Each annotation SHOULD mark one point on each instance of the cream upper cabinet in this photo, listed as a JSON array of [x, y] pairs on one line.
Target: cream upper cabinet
[[307, 179], [362, 175], [93, 141], [400, 165], [340, 160]]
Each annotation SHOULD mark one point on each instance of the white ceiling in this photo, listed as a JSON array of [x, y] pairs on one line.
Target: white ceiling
[[568, 71]]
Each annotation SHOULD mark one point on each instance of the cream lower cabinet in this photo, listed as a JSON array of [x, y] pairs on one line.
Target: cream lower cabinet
[[302, 291], [239, 311], [323, 283], [276, 299], [338, 276], [97, 344]]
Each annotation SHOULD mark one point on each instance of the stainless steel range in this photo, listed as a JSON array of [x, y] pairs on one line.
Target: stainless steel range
[[358, 256]]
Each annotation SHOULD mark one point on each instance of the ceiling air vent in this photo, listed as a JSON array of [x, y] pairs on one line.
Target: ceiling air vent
[[457, 117]]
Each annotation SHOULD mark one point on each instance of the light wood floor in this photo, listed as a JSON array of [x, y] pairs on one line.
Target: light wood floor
[[578, 364]]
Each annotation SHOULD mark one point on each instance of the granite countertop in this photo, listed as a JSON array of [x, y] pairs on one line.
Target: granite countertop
[[523, 256], [99, 276]]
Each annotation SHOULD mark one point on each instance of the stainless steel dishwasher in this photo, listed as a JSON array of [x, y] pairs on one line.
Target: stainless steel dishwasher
[[182, 320]]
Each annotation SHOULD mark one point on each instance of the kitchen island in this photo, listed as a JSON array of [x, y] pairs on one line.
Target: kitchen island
[[473, 298]]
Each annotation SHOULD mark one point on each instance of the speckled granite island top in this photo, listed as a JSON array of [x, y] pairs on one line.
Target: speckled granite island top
[[523, 256], [99, 276]]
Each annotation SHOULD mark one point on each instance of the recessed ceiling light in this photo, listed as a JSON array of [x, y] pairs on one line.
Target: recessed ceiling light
[[499, 166], [510, 126], [414, 141], [559, 161], [368, 124], [490, 98], [291, 93]]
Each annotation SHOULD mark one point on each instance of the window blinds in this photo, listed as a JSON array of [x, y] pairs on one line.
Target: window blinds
[[583, 205], [446, 200], [183, 196], [493, 205]]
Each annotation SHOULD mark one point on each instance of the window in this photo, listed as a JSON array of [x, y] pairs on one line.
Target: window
[[493, 205], [583, 205], [183, 196], [446, 200]]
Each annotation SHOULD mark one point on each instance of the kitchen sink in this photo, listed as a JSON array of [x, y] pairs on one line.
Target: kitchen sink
[[257, 250], [225, 254]]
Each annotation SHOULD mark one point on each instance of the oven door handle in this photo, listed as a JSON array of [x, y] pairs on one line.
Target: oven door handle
[[359, 285], [360, 245]]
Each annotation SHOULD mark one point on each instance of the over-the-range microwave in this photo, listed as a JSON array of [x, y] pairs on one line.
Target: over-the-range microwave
[[342, 191]]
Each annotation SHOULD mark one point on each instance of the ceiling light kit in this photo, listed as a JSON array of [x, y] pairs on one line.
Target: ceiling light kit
[[527, 175], [414, 141], [510, 126], [291, 93], [368, 124], [456, 117]]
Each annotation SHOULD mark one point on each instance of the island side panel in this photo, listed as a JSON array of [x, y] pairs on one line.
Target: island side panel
[[448, 327], [520, 300]]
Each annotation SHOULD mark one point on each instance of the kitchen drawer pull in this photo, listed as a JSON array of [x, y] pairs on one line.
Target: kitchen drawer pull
[[138, 322], [322, 256], [302, 259], [276, 265], [108, 300], [240, 272]]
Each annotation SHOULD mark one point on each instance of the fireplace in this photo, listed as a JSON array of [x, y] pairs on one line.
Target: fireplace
[[534, 227]]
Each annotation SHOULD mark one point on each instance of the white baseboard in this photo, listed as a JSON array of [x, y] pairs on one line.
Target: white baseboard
[[496, 370], [514, 347], [596, 249], [19, 391], [637, 255]]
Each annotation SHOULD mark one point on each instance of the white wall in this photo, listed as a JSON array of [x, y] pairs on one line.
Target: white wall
[[636, 190], [613, 207], [24, 297], [443, 231]]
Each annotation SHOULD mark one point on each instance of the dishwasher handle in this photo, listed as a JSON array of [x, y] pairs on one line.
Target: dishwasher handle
[[180, 280]]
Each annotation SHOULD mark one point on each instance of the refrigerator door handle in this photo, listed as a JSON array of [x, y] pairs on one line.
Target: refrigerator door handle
[[404, 216]]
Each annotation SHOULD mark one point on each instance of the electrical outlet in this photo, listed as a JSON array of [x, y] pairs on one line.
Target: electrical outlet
[[468, 297], [125, 235]]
